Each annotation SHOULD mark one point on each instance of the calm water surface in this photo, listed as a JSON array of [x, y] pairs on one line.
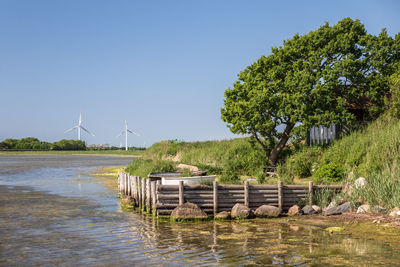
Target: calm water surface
[[53, 213]]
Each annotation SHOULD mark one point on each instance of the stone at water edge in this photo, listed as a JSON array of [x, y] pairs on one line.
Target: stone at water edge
[[364, 209], [317, 208], [223, 215], [308, 210], [378, 209], [240, 211], [265, 211], [395, 212], [294, 211], [188, 211], [338, 210], [127, 200]]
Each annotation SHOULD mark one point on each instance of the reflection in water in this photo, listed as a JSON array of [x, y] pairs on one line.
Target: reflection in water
[[50, 222]]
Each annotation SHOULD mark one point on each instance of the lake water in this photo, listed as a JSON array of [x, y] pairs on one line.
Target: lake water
[[53, 213]]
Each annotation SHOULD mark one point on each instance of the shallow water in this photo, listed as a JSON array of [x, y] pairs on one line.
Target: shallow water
[[53, 213]]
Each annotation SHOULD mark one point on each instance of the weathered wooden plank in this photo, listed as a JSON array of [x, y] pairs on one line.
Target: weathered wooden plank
[[260, 200], [198, 187], [232, 186], [258, 191], [263, 187], [263, 196], [215, 197], [199, 192], [188, 195], [228, 196], [169, 187], [168, 196], [304, 187], [200, 200], [294, 191], [229, 191]]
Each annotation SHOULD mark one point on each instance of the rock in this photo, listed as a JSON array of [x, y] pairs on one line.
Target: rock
[[188, 211], [395, 212], [378, 209], [360, 182], [186, 166], [317, 208], [223, 215], [240, 211], [295, 210], [333, 204], [265, 211], [345, 207], [364, 209], [308, 210], [127, 200]]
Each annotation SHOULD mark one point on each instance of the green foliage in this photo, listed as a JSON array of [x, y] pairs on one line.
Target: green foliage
[[142, 167], [329, 173], [322, 197], [261, 177], [312, 79], [229, 177], [394, 103], [185, 173], [301, 163], [382, 188], [69, 145], [28, 143]]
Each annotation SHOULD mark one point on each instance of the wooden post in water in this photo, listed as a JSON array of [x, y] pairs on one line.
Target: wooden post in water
[[126, 184], [140, 192], [181, 193], [215, 197], [129, 184], [246, 193], [119, 182], [280, 195], [148, 196], [123, 184], [143, 193], [310, 192], [158, 183], [153, 197], [134, 189], [137, 190]]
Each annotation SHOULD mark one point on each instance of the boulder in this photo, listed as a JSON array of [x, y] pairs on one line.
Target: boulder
[[223, 215], [308, 210], [188, 211], [240, 211], [360, 182], [364, 209], [345, 207], [317, 208], [127, 200], [378, 209], [295, 210], [395, 212], [266, 211]]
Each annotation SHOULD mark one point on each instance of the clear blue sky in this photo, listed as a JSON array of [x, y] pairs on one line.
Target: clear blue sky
[[162, 65]]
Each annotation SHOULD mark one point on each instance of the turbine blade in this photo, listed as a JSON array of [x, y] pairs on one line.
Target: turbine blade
[[83, 128], [71, 129], [120, 134], [129, 131]]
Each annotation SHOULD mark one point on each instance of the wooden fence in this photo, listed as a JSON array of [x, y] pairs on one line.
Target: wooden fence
[[159, 199]]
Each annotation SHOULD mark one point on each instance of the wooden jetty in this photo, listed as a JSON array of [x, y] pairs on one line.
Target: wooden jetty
[[161, 200]]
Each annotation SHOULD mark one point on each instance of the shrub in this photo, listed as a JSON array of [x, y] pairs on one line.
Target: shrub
[[229, 177], [142, 167], [261, 177], [301, 163], [329, 173]]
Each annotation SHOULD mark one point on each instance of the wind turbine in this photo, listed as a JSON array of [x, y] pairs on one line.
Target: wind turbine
[[79, 127], [126, 131]]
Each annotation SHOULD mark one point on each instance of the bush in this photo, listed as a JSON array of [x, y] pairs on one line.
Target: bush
[[329, 173], [229, 177], [142, 167], [300, 164], [262, 177]]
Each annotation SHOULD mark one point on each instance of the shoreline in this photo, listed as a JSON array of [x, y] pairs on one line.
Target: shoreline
[[71, 153]]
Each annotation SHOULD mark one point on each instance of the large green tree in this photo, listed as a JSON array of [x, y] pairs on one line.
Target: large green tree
[[314, 79]]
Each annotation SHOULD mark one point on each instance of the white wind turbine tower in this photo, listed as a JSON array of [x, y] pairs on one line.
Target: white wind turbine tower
[[126, 131], [79, 127]]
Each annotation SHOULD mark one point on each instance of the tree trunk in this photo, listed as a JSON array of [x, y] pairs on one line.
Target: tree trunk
[[273, 158]]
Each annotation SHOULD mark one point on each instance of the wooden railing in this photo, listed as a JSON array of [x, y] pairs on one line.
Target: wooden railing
[[159, 199]]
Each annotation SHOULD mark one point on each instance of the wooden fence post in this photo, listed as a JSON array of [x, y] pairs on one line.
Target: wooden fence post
[[181, 193], [310, 192], [280, 195], [215, 197], [138, 190], [129, 184], [153, 197], [246, 194], [119, 182], [126, 184], [143, 193], [158, 183], [148, 195]]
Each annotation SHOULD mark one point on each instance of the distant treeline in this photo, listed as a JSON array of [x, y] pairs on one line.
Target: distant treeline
[[31, 143]]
